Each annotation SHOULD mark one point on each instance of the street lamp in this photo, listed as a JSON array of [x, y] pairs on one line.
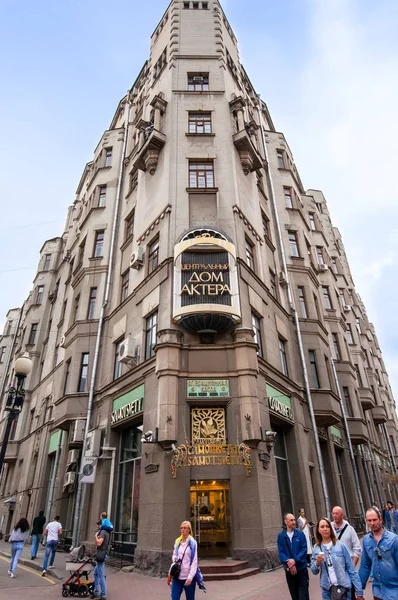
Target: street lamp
[[15, 399]]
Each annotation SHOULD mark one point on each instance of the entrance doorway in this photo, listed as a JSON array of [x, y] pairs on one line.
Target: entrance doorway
[[210, 514]]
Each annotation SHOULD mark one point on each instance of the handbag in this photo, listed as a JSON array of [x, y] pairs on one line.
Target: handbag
[[338, 592], [175, 568]]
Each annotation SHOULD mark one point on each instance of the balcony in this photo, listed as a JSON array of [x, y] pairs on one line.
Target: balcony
[[11, 452], [326, 407], [147, 157], [379, 415], [69, 408], [367, 398], [249, 157], [358, 430]]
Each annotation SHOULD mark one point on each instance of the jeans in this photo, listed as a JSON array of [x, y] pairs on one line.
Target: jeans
[[298, 585], [51, 548], [35, 545], [177, 585], [99, 579], [16, 549]]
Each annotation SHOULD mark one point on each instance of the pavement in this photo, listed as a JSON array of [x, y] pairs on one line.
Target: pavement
[[29, 583]]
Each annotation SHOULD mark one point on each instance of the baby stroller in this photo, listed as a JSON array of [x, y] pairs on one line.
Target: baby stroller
[[80, 566]]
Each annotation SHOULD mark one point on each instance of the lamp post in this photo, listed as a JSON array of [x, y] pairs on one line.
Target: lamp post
[[15, 400]]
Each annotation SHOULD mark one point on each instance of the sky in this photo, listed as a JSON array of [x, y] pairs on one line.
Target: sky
[[327, 70]]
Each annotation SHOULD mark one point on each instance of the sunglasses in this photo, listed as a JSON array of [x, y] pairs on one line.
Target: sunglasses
[[378, 553]]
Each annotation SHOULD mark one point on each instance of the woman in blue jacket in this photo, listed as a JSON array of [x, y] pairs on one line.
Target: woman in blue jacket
[[331, 558]]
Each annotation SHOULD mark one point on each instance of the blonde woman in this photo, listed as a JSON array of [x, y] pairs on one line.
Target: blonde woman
[[185, 554]]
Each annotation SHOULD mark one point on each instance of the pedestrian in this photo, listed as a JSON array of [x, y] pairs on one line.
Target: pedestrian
[[391, 518], [380, 555], [102, 539], [184, 564], [52, 531], [348, 536], [292, 548], [17, 540], [37, 532], [304, 526], [105, 522], [337, 570]]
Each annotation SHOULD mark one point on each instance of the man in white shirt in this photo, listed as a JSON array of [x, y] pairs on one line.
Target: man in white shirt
[[52, 531], [347, 536]]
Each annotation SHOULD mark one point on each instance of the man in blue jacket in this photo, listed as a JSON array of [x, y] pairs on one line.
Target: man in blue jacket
[[391, 518], [292, 548], [380, 555]]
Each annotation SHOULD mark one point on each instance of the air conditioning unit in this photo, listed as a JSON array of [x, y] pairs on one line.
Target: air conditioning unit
[[197, 79], [346, 307], [93, 442], [282, 278], [323, 267], [62, 341], [137, 258], [69, 479], [52, 295], [73, 457], [129, 351], [67, 256], [77, 431]]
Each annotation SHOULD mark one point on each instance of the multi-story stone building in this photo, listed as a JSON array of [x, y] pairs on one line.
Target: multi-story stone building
[[201, 293]]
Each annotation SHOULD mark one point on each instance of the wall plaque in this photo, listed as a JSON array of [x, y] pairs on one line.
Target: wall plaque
[[208, 388]]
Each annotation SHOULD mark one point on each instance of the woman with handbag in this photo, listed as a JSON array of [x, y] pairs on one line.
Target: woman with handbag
[[331, 558], [185, 564], [17, 540]]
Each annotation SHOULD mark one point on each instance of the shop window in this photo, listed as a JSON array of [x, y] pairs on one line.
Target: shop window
[[282, 471]]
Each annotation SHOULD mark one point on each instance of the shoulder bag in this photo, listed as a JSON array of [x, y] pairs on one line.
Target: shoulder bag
[[175, 568]]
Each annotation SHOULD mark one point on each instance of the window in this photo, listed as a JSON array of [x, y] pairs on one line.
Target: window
[[350, 338], [153, 255], [336, 346], [198, 82], [199, 123], [358, 374], [186, 4], [313, 369], [249, 250], [55, 358], [257, 334], [65, 304], [318, 316], [98, 244], [160, 64], [118, 366], [108, 157], [326, 298], [274, 289], [201, 175], [9, 328], [288, 197], [133, 180], [83, 372], [150, 335], [32, 334], [47, 260], [281, 159], [102, 196], [205, 5], [347, 402], [2, 354], [129, 226], [319, 255], [294, 251], [358, 325], [124, 292], [67, 373], [265, 221], [76, 308], [303, 306], [312, 222], [341, 296], [81, 252], [195, 5], [334, 265], [39, 294], [282, 352], [91, 303]]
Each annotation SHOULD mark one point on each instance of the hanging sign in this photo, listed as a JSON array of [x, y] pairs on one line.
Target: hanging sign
[[89, 469]]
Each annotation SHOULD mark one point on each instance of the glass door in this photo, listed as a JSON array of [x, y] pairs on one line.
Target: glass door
[[210, 517]]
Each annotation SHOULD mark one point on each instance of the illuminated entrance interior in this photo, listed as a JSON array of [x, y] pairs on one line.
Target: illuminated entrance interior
[[210, 515]]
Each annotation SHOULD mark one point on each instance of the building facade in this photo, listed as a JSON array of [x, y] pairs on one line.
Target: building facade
[[195, 331]]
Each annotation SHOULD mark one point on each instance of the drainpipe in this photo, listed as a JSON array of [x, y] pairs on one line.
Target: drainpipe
[[297, 322], [347, 433], [54, 476], [376, 474], [79, 499]]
